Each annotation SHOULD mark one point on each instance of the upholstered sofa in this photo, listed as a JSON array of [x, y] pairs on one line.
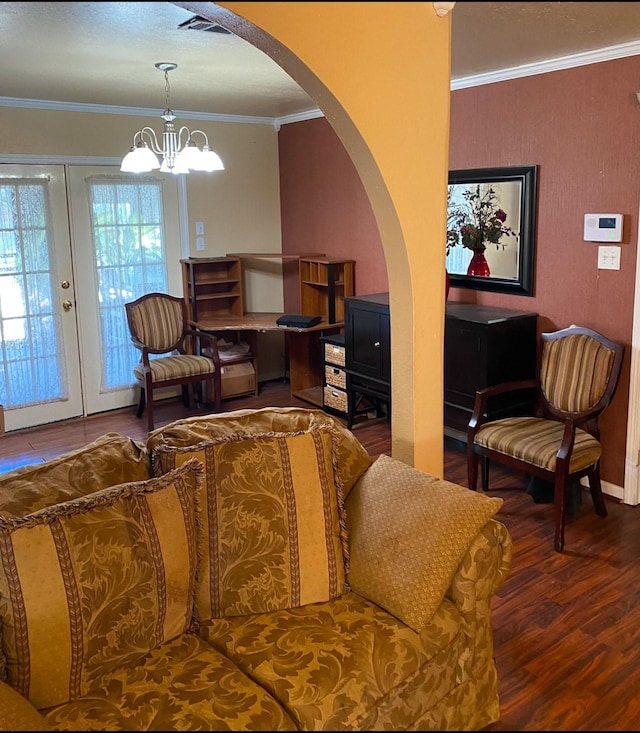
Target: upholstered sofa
[[251, 570]]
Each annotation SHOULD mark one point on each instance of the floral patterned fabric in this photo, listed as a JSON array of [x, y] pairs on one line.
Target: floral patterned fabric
[[349, 665], [346, 664], [352, 457], [109, 460], [273, 532], [17, 713], [183, 685], [341, 664], [95, 582]]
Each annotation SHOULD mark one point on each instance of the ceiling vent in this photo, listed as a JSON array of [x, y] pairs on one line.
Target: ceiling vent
[[202, 24]]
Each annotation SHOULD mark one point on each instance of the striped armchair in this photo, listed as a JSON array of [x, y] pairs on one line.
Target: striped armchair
[[158, 325], [577, 377]]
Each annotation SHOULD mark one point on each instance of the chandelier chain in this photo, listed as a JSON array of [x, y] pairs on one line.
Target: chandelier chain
[[166, 87]]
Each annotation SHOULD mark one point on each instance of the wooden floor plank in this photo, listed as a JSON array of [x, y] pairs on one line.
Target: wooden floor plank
[[566, 625]]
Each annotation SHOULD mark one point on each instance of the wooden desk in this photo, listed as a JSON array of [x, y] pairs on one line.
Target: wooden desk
[[303, 347]]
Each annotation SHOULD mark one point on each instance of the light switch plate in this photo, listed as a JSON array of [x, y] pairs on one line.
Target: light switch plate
[[608, 258], [200, 244], [199, 227]]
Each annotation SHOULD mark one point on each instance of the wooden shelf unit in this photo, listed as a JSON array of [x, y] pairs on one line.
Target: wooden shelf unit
[[324, 284], [213, 291], [212, 287]]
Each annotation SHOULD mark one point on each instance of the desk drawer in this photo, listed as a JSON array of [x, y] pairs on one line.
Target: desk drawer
[[335, 377], [334, 354], [336, 399]]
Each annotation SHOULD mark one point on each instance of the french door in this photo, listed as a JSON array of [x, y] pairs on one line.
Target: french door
[[76, 243], [40, 349]]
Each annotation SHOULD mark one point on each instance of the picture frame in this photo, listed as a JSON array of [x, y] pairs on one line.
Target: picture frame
[[500, 203]]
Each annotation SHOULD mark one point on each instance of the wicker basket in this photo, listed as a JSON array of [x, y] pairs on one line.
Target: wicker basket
[[335, 376], [334, 354], [336, 399]]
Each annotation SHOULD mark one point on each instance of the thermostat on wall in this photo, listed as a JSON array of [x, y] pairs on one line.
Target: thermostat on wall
[[603, 227]]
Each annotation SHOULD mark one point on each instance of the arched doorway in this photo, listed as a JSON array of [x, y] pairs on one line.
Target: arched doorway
[[380, 74]]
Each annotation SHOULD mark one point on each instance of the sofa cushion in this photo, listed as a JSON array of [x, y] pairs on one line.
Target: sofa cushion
[[185, 684], [97, 582], [109, 460], [400, 517], [273, 535], [353, 458], [346, 664]]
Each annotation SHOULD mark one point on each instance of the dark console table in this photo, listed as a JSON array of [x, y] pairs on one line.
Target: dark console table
[[367, 337], [484, 346]]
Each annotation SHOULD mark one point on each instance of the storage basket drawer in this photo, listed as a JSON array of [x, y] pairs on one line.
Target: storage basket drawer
[[336, 399], [334, 354], [335, 376]]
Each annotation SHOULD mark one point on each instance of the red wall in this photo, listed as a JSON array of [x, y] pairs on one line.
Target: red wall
[[581, 127], [325, 208]]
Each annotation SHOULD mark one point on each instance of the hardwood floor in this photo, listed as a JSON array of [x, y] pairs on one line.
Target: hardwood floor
[[566, 626]]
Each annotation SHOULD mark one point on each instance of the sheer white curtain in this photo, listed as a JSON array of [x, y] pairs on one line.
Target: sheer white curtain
[[31, 361], [130, 260]]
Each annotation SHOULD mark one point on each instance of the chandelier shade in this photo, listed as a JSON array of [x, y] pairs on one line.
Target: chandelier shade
[[178, 152]]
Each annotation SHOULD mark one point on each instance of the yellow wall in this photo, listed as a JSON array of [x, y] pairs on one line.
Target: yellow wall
[[380, 73], [239, 206]]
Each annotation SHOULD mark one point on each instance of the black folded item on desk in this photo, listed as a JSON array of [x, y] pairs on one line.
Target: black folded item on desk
[[297, 321]]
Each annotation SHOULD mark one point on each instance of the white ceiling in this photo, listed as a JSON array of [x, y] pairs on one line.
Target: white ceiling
[[104, 52]]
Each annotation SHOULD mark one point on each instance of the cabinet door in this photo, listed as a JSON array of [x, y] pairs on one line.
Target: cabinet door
[[464, 362], [367, 342]]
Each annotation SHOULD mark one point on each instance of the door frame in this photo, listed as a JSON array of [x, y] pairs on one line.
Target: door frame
[[631, 493]]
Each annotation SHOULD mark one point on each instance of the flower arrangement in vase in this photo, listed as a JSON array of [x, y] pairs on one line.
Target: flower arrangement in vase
[[476, 222]]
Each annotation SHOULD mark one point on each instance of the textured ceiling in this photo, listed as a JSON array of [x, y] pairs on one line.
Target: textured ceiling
[[104, 52]]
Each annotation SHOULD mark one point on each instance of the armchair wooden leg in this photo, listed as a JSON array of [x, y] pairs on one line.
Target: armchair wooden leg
[[212, 392], [141, 403], [596, 492], [149, 398], [485, 473], [150, 413], [560, 497], [217, 391], [472, 468]]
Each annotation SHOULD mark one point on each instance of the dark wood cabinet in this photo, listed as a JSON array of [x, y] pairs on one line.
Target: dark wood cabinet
[[367, 330], [484, 346]]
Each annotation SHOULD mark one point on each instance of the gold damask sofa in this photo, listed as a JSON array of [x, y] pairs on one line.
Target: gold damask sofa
[[251, 570]]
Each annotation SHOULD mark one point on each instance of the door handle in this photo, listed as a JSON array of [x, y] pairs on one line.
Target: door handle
[[67, 305], [65, 284]]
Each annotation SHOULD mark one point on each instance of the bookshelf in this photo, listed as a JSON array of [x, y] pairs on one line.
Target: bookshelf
[[324, 284], [212, 287]]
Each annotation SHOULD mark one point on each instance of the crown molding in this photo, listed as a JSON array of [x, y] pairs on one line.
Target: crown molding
[[106, 109], [608, 53]]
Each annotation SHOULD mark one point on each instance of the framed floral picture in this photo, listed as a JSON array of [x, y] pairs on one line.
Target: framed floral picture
[[491, 214]]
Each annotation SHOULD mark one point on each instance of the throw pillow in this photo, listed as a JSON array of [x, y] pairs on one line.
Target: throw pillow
[[273, 537], [96, 583], [109, 460], [353, 458], [408, 532]]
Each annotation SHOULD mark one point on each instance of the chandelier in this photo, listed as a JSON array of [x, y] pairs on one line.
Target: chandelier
[[179, 151]]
